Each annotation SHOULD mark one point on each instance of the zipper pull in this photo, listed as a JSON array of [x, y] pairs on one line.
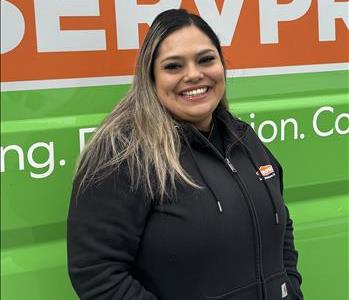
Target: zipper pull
[[219, 206], [232, 168]]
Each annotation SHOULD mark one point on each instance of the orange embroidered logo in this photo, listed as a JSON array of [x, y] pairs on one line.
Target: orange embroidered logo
[[267, 172]]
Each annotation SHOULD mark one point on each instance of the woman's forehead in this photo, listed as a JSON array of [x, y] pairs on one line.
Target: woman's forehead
[[186, 41]]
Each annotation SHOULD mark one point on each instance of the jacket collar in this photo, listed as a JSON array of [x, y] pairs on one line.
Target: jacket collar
[[233, 128]]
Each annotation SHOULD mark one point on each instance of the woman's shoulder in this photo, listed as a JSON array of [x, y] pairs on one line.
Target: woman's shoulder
[[240, 127]]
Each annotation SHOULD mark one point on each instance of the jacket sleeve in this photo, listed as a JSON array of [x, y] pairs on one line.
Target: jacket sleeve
[[291, 258], [290, 254], [105, 226]]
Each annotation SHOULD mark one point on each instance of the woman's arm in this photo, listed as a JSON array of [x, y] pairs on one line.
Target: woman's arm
[[105, 226], [291, 258]]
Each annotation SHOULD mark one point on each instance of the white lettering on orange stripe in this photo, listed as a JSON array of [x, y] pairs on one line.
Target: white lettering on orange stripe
[[329, 11], [270, 13], [130, 14], [12, 26], [223, 23], [50, 38]]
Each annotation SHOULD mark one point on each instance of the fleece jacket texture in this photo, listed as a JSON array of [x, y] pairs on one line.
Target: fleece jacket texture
[[230, 239]]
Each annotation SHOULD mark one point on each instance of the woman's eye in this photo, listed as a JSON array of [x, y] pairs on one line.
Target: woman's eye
[[172, 66], [206, 59]]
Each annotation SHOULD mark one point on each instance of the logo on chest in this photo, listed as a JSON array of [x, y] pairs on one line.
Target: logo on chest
[[265, 172]]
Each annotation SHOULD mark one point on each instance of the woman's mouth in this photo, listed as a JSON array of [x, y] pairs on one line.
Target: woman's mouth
[[195, 94]]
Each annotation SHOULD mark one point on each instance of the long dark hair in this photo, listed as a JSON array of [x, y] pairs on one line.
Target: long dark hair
[[140, 132]]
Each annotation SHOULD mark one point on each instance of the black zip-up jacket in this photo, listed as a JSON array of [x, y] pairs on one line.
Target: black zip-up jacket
[[231, 239]]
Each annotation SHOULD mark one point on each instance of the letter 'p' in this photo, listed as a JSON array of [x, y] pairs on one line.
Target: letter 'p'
[[270, 13]]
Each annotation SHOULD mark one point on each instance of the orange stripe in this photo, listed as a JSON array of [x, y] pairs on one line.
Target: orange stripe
[[298, 45]]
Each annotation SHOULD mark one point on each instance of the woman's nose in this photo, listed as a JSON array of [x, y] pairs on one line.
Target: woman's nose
[[193, 73]]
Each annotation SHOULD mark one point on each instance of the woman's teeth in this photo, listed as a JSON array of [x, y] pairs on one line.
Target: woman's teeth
[[196, 92]]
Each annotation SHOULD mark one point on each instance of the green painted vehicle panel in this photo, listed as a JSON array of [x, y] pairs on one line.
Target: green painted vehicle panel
[[43, 127]]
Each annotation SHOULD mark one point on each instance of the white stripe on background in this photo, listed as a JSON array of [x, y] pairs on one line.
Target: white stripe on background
[[116, 80], [287, 70]]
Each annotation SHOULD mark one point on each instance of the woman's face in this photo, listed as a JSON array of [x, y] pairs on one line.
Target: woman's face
[[189, 76]]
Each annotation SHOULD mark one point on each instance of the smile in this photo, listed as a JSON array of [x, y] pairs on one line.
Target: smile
[[195, 93]]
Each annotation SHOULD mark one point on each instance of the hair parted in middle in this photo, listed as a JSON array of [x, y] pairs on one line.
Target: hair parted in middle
[[140, 132]]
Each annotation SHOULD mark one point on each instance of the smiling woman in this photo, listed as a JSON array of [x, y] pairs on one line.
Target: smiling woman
[[189, 76], [175, 198]]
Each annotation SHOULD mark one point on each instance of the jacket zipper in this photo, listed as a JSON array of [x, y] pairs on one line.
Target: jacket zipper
[[254, 220], [251, 208]]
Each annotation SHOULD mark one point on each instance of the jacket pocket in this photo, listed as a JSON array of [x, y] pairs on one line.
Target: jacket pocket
[[278, 287], [247, 292]]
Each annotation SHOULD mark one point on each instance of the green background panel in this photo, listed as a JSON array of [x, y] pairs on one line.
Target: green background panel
[[316, 179]]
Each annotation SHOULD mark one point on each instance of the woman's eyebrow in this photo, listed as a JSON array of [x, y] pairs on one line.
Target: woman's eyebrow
[[174, 57], [205, 52]]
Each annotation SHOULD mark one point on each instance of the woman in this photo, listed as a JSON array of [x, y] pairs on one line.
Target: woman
[[174, 198]]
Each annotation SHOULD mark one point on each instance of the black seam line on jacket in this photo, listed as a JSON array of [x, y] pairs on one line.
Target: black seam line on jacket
[[274, 275], [251, 208], [236, 290]]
